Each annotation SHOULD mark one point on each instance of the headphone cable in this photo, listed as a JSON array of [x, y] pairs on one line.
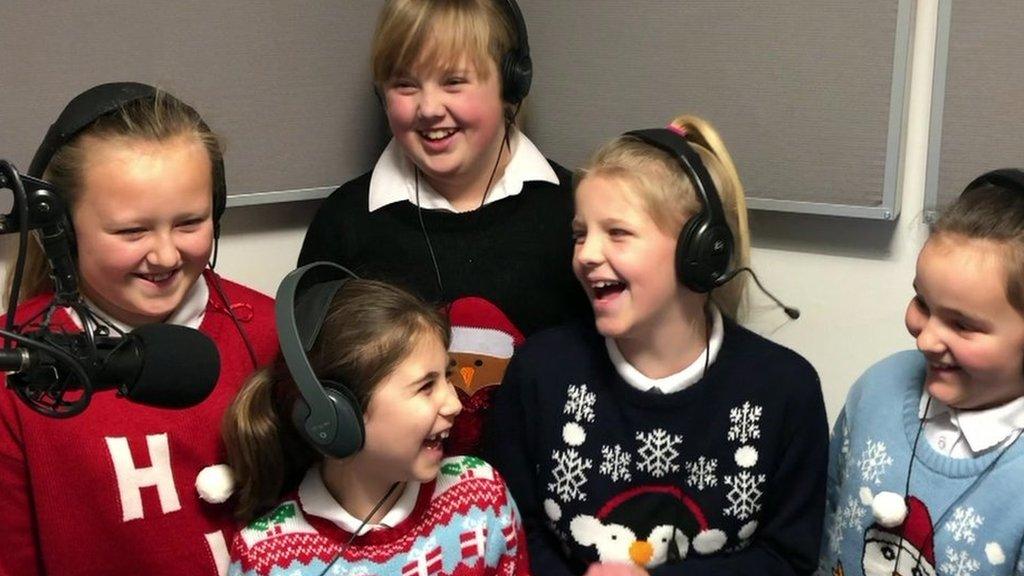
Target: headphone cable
[[366, 520]]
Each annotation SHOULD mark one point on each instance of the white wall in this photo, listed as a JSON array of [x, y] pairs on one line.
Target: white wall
[[851, 279]]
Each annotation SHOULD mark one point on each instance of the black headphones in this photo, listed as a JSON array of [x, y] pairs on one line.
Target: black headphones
[[516, 64], [327, 415], [1009, 178], [100, 101], [704, 249]]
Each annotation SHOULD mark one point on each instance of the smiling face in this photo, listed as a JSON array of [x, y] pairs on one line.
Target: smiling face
[[409, 414], [625, 262], [450, 122], [143, 224], [971, 336]]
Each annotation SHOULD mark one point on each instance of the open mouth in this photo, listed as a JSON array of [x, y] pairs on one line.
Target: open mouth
[[436, 441], [438, 135], [604, 289], [160, 278]]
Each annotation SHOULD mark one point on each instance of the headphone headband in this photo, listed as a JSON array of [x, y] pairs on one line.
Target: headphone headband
[[1009, 178], [327, 414], [704, 249], [100, 101]]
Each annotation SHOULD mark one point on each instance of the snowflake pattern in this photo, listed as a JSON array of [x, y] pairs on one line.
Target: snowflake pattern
[[616, 463], [834, 533], [959, 563], [874, 462], [702, 472], [570, 475], [580, 404], [963, 524], [744, 494], [658, 452], [746, 423]]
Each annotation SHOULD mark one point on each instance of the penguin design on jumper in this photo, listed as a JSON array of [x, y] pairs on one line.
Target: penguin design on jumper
[[648, 526]]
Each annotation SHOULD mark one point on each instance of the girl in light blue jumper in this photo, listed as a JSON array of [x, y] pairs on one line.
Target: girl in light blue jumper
[[925, 463]]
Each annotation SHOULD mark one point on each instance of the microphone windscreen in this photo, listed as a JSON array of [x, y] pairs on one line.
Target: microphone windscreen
[[180, 366]]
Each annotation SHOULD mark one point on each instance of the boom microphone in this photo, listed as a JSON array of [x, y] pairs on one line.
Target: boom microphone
[[161, 365]]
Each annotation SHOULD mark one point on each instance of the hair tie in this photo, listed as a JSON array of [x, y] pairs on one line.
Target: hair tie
[[677, 129]]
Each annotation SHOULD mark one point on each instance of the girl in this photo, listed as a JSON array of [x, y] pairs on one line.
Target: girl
[[460, 204], [393, 507], [664, 438], [113, 490], [926, 454]]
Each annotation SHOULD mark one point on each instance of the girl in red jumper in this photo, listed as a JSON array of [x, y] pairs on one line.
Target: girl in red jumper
[[113, 490]]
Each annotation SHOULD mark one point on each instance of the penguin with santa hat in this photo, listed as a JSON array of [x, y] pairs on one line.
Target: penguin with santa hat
[[900, 542]]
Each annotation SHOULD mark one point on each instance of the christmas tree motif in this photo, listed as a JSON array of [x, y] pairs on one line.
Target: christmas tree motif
[[658, 452], [874, 462], [616, 463], [570, 475], [580, 404], [963, 524], [958, 563], [273, 520], [746, 423], [744, 494], [463, 465], [702, 473]]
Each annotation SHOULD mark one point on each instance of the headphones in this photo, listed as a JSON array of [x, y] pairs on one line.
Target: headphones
[[1009, 178], [327, 414], [704, 249], [103, 100], [516, 64]]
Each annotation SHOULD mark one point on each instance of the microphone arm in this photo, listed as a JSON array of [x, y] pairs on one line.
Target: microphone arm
[[45, 211]]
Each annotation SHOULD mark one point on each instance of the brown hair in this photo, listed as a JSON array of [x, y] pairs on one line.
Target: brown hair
[[369, 329], [996, 213], [439, 33], [158, 119], [666, 192]]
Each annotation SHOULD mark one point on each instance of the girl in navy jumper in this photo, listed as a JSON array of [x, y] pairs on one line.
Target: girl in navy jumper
[[461, 208], [664, 438], [113, 490], [926, 457], [395, 506]]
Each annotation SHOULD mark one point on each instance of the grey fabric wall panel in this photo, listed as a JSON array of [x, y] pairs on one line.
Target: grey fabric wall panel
[[287, 83], [978, 95], [800, 90], [806, 93]]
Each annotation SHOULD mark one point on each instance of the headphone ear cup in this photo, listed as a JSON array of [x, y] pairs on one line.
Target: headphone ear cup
[[516, 75], [703, 254], [349, 434]]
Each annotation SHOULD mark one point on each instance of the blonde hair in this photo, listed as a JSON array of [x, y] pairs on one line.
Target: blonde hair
[[369, 329], [991, 212], [158, 119], [439, 33], [667, 195]]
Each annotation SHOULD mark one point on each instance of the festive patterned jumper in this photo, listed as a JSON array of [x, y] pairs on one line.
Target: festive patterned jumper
[[464, 524], [112, 490], [724, 477], [962, 517]]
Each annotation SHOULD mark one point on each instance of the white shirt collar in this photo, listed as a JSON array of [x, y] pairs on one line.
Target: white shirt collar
[[673, 382], [982, 429], [318, 501], [394, 178], [189, 313]]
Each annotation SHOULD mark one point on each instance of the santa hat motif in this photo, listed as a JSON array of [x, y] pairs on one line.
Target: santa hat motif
[[907, 519], [480, 327]]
